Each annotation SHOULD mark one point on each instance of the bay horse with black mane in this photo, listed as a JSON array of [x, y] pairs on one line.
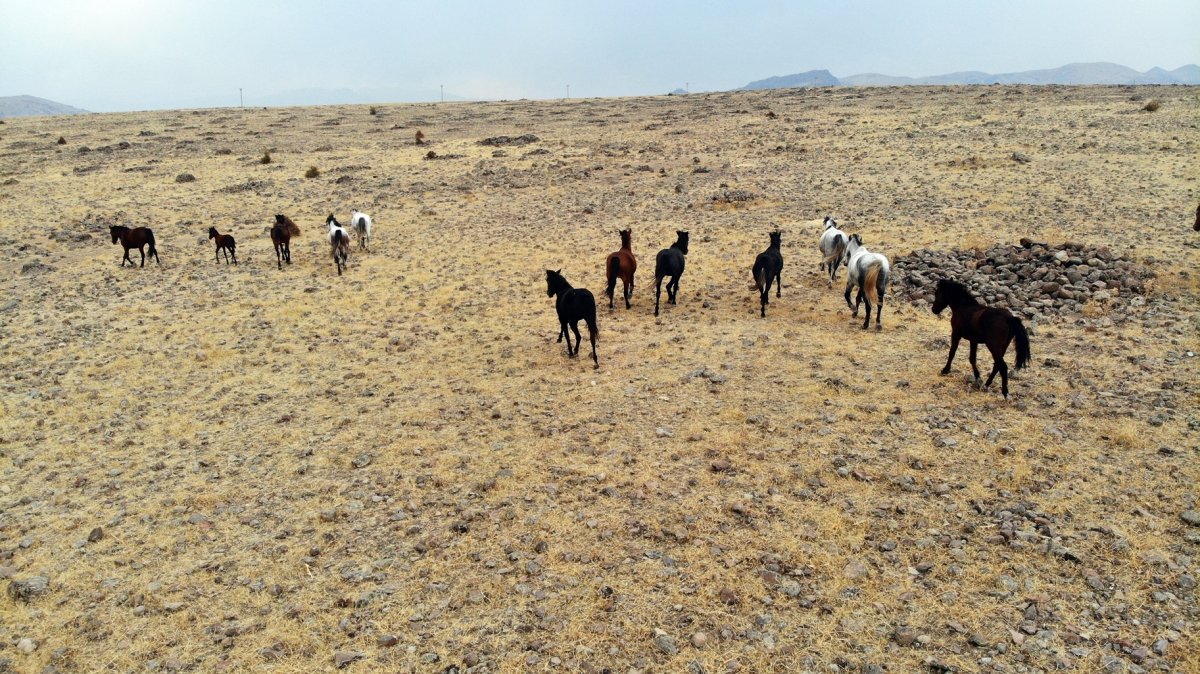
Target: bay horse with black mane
[[573, 305], [137, 237], [670, 262], [225, 242], [621, 264], [767, 268], [977, 323], [281, 235]]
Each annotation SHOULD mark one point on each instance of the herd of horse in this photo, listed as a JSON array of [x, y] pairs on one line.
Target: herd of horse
[[865, 270]]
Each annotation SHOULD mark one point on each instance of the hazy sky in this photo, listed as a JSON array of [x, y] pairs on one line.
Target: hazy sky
[[106, 55]]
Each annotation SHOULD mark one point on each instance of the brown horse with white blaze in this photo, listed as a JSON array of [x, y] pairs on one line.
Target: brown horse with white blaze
[[621, 264]]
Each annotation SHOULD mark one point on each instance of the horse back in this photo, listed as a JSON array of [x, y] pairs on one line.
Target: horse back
[[668, 262]]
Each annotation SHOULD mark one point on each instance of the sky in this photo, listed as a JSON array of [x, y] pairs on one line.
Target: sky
[[116, 55]]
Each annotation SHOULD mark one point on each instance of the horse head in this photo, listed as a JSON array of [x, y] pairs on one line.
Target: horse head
[[626, 237], [212, 232], [115, 231], [682, 241], [554, 280], [776, 239], [830, 222], [332, 221]]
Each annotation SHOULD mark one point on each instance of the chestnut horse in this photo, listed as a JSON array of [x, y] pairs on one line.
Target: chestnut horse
[[281, 235], [224, 242], [138, 237], [622, 264], [995, 327]]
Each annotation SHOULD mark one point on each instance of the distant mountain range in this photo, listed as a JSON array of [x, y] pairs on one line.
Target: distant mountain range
[[28, 106], [1074, 73]]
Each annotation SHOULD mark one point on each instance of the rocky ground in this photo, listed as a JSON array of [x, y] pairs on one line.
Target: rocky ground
[[207, 467]]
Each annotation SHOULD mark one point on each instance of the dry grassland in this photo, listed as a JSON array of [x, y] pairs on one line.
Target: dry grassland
[[401, 463]]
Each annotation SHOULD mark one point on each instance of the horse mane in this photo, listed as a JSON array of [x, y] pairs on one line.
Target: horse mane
[[956, 293], [287, 224]]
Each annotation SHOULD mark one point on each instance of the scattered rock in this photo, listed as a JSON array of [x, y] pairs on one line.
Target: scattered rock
[[29, 588], [344, 658]]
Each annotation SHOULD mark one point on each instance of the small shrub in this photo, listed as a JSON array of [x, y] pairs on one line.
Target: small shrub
[[374, 111], [62, 141], [1152, 106], [420, 137], [266, 158], [312, 172]]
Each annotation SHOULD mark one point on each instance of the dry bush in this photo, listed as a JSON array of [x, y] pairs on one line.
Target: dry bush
[[266, 158], [1152, 106], [312, 172]]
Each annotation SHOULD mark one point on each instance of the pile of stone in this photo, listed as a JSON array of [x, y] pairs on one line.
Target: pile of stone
[[1031, 279]]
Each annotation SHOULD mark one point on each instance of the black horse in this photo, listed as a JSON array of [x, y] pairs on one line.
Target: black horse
[[670, 262], [767, 267], [573, 305], [993, 326], [138, 237]]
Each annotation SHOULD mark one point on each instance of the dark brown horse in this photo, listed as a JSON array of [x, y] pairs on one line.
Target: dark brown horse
[[281, 235], [225, 242], [621, 264], [138, 237], [976, 323]]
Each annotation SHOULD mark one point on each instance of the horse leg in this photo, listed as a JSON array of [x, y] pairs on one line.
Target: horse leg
[[866, 319], [998, 365], [628, 293], [578, 337], [218, 254], [657, 292], [142, 250], [954, 337], [778, 285], [849, 285], [879, 311], [974, 367]]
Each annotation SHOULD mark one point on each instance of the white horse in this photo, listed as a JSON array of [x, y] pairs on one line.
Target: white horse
[[339, 242], [832, 245], [869, 271], [361, 224]]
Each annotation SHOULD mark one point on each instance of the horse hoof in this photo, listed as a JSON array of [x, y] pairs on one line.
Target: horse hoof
[[944, 371]]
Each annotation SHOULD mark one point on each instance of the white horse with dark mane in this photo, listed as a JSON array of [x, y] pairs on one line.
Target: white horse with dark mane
[[869, 271], [833, 248], [339, 242], [361, 224]]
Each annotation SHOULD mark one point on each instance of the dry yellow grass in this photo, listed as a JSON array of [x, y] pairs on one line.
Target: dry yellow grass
[[286, 464]]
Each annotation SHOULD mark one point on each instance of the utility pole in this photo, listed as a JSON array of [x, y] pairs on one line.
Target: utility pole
[[241, 103], [568, 91], [687, 87], [442, 92]]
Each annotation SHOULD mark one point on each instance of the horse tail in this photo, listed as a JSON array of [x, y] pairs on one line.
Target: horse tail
[[1018, 330], [870, 284], [614, 271], [839, 248]]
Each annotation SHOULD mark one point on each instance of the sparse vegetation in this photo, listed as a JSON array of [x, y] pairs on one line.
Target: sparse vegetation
[[1152, 105], [62, 140], [266, 158], [254, 469], [312, 172], [373, 110]]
